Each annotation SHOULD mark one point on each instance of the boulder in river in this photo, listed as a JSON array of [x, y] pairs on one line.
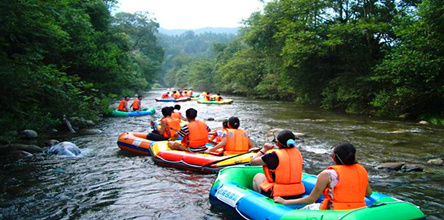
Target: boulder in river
[[412, 167], [33, 149], [436, 161], [29, 134], [391, 166], [90, 131], [65, 148]]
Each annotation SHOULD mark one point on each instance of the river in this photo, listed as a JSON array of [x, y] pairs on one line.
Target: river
[[107, 183]]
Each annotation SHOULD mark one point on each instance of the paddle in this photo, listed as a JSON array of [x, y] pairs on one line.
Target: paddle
[[228, 158]]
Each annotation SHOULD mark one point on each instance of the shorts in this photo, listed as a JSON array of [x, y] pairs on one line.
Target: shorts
[[268, 194], [197, 149]]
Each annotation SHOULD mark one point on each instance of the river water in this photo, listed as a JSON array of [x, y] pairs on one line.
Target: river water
[[107, 183]]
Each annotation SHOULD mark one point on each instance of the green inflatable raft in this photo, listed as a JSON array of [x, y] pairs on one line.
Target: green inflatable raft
[[232, 191], [147, 111]]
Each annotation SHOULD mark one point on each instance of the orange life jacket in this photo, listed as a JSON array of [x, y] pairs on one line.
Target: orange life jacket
[[197, 136], [288, 174], [237, 142], [189, 93], [216, 98], [165, 95], [176, 115], [350, 191], [122, 106], [173, 127], [136, 104], [176, 95]]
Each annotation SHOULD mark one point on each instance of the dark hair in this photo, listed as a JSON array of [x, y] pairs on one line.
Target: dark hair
[[286, 139], [140, 97], [177, 107], [191, 113], [166, 111], [234, 122], [225, 123], [344, 154]]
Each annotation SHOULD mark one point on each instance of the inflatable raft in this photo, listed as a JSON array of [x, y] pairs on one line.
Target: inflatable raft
[[148, 111], [183, 99], [135, 142], [224, 101], [232, 190], [206, 163]]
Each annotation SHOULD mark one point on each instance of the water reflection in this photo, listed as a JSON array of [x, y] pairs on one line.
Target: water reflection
[[109, 183]]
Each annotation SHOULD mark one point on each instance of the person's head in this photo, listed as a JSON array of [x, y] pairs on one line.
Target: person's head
[[218, 93], [225, 123], [140, 97], [233, 122], [285, 139], [191, 113], [177, 107], [127, 98], [166, 111], [344, 154]]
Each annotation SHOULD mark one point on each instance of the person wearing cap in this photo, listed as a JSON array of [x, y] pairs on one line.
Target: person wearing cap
[[194, 134], [344, 184], [282, 175], [236, 141]]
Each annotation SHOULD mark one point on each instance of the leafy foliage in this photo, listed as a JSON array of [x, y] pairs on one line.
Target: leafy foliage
[[62, 57], [374, 56]]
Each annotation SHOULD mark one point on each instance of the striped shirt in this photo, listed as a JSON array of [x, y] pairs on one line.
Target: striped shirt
[[183, 132]]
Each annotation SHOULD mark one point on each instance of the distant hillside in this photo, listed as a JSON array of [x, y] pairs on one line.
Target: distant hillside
[[199, 31]]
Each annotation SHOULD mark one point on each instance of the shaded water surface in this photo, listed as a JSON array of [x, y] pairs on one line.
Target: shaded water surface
[[107, 183]]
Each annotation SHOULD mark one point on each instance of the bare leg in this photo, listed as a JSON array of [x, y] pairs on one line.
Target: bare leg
[[176, 146], [257, 180]]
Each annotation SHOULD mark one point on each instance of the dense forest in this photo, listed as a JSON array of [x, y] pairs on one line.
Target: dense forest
[[73, 58], [376, 57]]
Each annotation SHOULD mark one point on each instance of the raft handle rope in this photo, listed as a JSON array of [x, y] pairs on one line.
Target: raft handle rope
[[240, 213], [372, 206]]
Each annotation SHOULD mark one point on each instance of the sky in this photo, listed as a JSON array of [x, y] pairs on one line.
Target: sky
[[194, 14]]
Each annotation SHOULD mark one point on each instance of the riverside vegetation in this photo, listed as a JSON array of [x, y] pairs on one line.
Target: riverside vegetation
[[73, 57]]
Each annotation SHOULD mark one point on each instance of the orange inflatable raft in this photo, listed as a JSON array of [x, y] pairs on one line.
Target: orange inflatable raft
[[135, 142], [208, 163]]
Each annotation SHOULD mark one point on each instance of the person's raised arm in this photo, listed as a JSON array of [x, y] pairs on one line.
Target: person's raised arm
[[257, 158], [320, 186]]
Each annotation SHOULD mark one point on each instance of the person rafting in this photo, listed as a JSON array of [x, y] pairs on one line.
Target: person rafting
[[282, 175], [344, 184], [194, 134], [137, 104], [218, 97], [236, 141], [177, 114], [123, 105], [218, 134], [168, 126]]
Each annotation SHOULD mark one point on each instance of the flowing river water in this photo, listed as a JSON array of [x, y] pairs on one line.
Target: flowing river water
[[108, 183]]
